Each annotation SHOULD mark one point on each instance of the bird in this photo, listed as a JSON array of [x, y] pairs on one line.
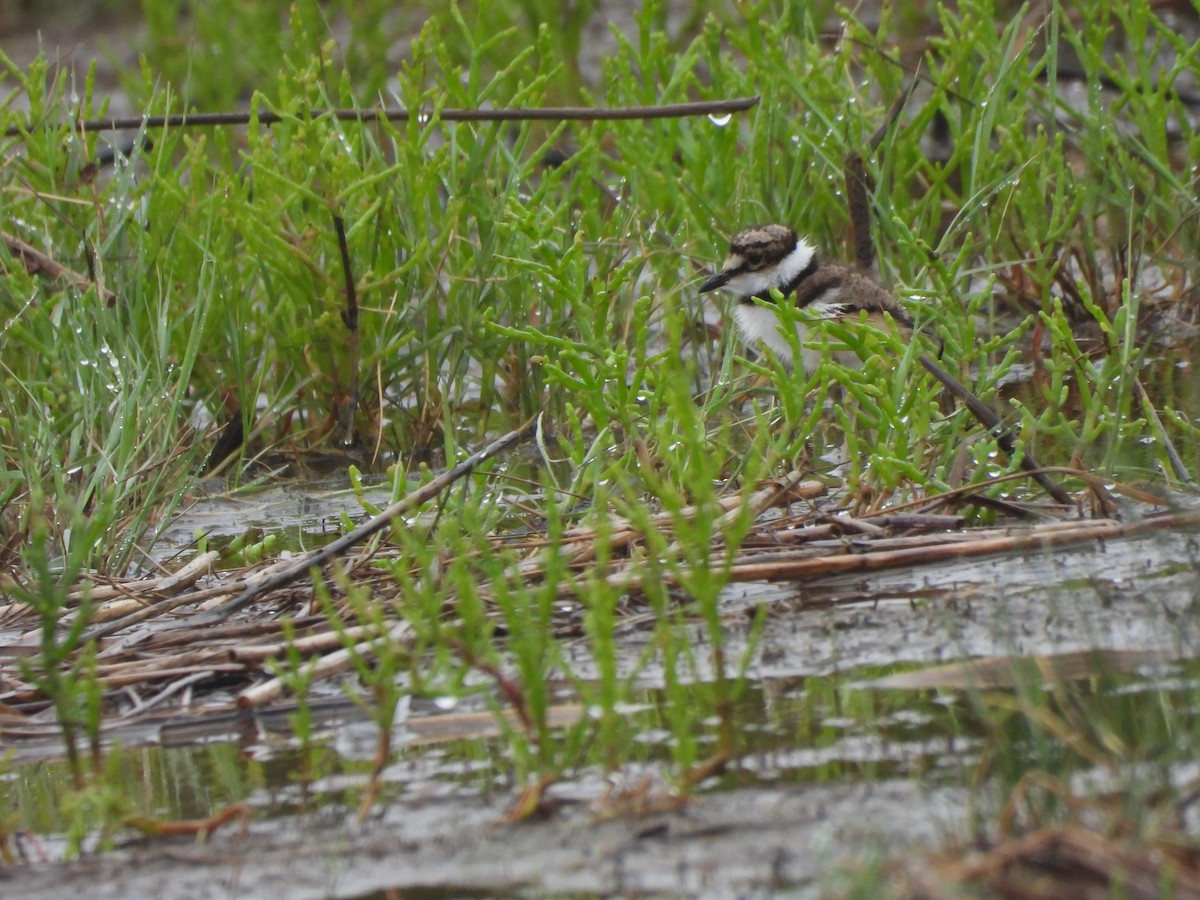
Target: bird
[[770, 257], [774, 256]]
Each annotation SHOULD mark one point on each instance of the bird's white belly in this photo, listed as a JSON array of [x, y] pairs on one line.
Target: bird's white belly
[[759, 324]]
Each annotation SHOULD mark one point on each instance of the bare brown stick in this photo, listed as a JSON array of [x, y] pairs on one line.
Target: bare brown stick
[[165, 828], [160, 584], [188, 658], [350, 319], [136, 596], [38, 263], [921, 553], [168, 692], [859, 185], [156, 609], [257, 654], [330, 664], [1004, 437], [579, 545], [764, 498], [128, 678], [544, 114], [422, 494]]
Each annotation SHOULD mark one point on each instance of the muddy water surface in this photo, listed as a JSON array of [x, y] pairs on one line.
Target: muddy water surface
[[844, 760]]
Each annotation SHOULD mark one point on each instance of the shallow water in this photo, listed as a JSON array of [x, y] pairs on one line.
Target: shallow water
[[817, 723]]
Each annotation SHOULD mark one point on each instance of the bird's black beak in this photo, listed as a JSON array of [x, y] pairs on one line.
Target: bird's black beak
[[718, 280]]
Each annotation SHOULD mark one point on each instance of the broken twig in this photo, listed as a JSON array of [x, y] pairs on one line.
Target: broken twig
[[316, 558]]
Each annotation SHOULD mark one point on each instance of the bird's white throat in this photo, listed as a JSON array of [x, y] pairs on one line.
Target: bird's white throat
[[784, 272]]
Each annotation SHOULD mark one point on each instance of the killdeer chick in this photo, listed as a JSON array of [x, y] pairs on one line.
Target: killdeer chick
[[772, 256]]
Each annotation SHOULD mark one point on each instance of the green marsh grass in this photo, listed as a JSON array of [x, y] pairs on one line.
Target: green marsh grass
[[63, 669], [297, 675], [494, 287]]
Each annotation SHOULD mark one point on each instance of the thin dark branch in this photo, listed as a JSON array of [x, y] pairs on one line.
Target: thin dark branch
[[424, 493], [1177, 465], [350, 319], [1004, 437], [549, 113], [893, 113]]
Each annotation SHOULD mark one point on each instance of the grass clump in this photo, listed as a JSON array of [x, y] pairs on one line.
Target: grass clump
[[492, 287]]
